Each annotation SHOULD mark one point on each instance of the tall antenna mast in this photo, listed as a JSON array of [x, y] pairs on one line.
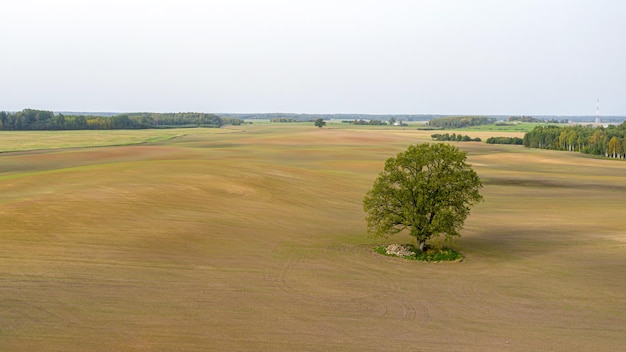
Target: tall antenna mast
[[598, 112]]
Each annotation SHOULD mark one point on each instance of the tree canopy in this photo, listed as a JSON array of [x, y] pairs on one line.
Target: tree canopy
[[453, 137], [427, 189], [597, 140], [320, 123], [30, 119], [460, 121]]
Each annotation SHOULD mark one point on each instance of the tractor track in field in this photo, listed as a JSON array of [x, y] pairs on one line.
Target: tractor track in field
[[313, 282]]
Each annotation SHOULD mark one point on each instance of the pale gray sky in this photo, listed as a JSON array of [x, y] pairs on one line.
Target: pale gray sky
[[409, 57]]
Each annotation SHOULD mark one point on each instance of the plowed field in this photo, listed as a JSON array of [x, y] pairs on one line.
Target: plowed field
[[253, 238]]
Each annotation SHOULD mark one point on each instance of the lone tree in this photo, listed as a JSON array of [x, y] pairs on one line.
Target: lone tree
[[320, 123], [427, 189]]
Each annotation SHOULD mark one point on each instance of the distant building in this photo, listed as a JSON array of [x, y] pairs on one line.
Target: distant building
[[399, 123]]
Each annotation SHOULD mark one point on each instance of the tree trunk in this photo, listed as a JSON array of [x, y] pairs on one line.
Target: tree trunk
[[420, 245]]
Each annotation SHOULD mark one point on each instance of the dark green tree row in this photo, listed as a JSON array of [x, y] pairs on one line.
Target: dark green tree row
[[505, 140], [460, 121], [231, 121], [524, 119], [283, 119], [313, 117], [30, 119], [453, 137], [606, 141], [364, 122], [531, 119]]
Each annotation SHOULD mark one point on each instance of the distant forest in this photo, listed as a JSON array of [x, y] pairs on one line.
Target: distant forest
[[292, 117], [460, 121], [30, 119], [606, 141], [530, 119], [453, 137], [505, 140]]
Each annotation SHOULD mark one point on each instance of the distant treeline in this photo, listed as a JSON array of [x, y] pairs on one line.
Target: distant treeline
[[606, 141], [460, 121], [313, 117], [528, 119], [531, 119], [409, 117], [30, 119], [284, 119], [504, 140], [372, 122], [466, 121], [453, 137]]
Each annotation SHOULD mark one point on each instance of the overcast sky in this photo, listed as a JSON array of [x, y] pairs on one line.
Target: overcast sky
[[380, 57]]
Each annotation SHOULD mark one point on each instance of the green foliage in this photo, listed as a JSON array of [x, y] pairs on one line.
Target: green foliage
[[503, 127], [453, 137], [313, 117], [605, 141], [360, 122], [231, 121], [505, 140], [528, 119], [29, 119], [433, 254], [382, 250], [320, 123], [427, 189], [460, 121], [283, 119]]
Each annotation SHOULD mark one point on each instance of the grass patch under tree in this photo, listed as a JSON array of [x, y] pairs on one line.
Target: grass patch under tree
[[429, 254]]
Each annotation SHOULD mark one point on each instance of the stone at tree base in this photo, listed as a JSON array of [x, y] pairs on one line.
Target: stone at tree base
[[400, 250]]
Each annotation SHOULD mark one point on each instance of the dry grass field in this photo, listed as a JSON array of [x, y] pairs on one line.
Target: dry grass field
[[39, 140], [252, 238]]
